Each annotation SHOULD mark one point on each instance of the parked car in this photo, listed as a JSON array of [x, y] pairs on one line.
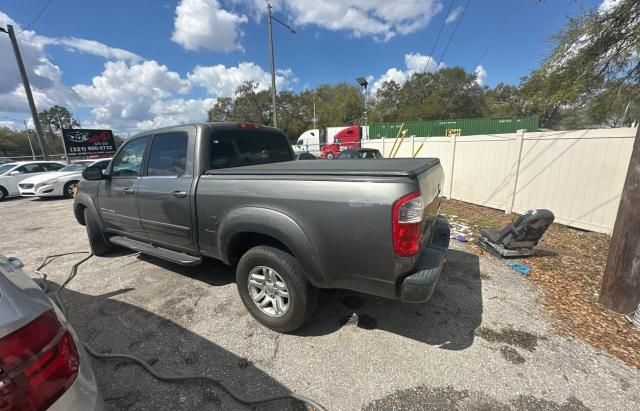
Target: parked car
[[13, 173], [361, 154], [305, 156], [61, 183], [234, 192], [43, 365]]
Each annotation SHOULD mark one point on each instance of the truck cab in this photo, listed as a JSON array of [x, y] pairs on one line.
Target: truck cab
[[347, 138]]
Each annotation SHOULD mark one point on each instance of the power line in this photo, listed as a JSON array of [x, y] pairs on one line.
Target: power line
[[435, 44], [455, 30], [35, 19], [495, 36]]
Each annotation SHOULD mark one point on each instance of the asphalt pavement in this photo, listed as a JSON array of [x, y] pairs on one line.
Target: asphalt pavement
[[482, 342]]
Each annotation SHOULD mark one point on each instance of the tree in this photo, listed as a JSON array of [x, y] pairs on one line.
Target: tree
[[599, 50], [50, 120]]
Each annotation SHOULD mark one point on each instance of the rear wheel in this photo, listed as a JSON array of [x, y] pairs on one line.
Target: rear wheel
[[273, 288], [69, 189], [99, 244]]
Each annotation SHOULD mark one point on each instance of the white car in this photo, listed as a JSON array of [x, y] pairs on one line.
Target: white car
[[61, 183], [13, 173]]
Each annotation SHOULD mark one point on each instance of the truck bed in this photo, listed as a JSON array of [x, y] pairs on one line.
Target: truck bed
[[381, 167]]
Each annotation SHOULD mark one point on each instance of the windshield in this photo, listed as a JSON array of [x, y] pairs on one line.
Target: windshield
[[6, 167], [241, 147], [73, 167]]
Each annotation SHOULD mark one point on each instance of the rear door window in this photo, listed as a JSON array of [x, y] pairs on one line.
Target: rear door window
[[168, 155], [52, 166], [241, 147]]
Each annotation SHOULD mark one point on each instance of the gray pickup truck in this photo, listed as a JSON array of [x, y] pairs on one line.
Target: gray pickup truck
[[235, 192]]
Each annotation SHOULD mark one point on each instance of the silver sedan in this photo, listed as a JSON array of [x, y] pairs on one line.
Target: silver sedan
[[43, 365]]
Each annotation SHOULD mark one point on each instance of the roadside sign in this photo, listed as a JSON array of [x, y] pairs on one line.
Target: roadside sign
[[86, 142]]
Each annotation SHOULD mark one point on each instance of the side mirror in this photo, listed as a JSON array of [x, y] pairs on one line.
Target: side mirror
[[15, 173], [313, 134], [15, 262], [92, 173]]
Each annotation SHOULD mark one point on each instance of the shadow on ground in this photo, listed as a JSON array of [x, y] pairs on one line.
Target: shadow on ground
[[113, 326], [448, 320]]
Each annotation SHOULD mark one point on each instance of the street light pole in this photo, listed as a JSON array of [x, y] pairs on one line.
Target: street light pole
[[33, 154], [273, 63], [27, 87], [364, 83], [274, 118]]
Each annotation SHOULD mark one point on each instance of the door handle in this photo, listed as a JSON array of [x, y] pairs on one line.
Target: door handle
[[128, 190], [180, 194]]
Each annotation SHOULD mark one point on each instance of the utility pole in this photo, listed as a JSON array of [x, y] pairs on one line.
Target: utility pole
[[315, 119], [64, 143], [27, 88], [620, 289], [33, 154], [274, 117]]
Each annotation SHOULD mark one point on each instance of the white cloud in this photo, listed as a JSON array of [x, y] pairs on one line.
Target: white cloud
[[481, 74], [203, 24], [45, 77], [380, 19], [132, 97], [220, 80], [414, 63], [92, 47], [455, 13], [607, 5]]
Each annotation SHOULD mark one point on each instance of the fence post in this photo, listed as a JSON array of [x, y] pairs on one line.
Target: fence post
[[520, 143], [383, 155], [452, 157], [413, 145]]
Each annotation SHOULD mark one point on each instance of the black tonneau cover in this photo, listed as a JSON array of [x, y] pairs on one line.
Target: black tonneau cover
[[381, 167]]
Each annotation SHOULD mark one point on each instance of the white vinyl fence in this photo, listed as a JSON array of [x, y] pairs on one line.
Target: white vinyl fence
[[578, 175]]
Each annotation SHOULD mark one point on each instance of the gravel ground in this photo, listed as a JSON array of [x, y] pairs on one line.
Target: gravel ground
[[482, 342]]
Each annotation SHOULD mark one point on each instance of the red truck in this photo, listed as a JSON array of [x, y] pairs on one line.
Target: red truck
[[349, 137]]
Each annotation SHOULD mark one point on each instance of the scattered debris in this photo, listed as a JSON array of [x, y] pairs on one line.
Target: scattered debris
[[571, 280], [518, 238], [520, 268], [636, 318]]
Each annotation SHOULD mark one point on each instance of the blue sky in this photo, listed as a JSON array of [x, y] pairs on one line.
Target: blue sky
[[137, 64]]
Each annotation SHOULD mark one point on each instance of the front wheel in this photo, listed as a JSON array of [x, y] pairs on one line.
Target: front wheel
[[330, 156], [99, 244], [273, 288], [69, 189]]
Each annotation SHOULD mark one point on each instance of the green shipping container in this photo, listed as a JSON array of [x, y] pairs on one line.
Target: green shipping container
[[464, 127]]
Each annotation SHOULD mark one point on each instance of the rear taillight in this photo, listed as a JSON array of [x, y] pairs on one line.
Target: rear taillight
[[407, 224], [38, 363], [248, 125]]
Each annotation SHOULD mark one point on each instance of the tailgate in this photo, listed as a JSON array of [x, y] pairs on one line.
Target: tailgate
[[431, 183]]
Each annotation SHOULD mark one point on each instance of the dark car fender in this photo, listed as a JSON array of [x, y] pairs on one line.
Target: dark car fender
[[82, 201], [279, 226]]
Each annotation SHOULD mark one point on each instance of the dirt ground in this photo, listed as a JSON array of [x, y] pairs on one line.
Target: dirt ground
[[482, 342], [570, 280]]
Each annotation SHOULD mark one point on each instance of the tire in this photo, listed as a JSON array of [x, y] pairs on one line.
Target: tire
[[97, 240], [3, 193], [302, 296], [67, 191], [330, 156]]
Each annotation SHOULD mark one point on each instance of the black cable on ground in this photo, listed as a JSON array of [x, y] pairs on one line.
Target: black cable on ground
[[162, 377]]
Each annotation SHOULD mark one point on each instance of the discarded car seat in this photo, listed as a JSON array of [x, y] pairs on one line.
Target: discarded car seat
[[520, 237]]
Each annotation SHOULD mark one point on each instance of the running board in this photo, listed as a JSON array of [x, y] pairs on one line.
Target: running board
[[145, 248]]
